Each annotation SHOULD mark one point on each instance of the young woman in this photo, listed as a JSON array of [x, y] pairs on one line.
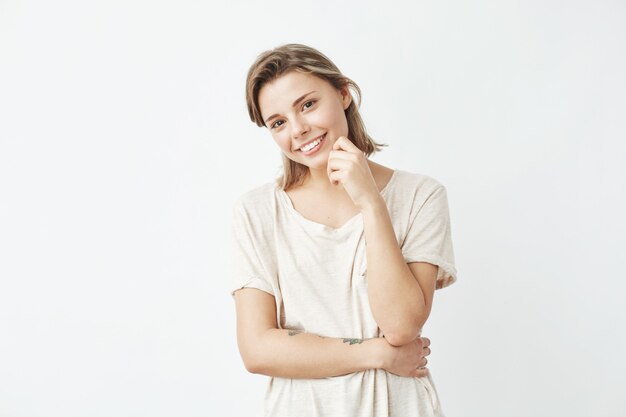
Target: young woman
[[335, 263]]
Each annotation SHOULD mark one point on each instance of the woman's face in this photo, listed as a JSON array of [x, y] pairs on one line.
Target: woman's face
[[298, 109]]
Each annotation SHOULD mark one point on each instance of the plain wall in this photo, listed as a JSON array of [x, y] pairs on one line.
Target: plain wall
[[124, 140]]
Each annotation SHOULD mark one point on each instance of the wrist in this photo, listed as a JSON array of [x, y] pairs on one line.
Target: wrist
[[379, 356], [374, 206]]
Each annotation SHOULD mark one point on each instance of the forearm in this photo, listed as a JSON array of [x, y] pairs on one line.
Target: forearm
[[396, 299], [294, 354]]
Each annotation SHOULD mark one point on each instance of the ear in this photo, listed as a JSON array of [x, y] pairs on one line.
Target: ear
[[346, 97]]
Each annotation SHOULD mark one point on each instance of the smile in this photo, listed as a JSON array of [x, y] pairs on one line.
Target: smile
[[312, 146]]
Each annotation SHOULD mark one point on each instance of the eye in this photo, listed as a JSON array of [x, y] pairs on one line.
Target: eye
[[274, 125]]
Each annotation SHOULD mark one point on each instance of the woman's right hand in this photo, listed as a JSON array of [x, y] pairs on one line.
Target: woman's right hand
[[406, 360]]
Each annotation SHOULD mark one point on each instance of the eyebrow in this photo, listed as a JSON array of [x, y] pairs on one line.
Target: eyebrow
[[295, 103]]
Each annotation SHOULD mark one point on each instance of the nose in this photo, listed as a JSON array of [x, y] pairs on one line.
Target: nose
[[298, 127]]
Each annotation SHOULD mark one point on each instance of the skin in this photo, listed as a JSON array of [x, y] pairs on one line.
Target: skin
[[333, 191], [297, 126], [341, 180]]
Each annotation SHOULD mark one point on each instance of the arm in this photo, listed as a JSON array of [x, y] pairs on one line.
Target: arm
[[291, 354], [400, 295], [267, 350]]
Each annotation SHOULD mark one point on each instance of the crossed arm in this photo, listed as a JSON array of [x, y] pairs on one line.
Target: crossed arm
[[400, 297], [267, 350]]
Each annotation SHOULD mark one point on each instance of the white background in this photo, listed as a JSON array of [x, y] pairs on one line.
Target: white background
[[124, 139]]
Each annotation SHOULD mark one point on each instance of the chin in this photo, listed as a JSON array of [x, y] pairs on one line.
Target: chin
[[318, 167], [321, 159]]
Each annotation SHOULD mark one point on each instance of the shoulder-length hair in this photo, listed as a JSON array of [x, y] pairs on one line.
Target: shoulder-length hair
[[271, 64]]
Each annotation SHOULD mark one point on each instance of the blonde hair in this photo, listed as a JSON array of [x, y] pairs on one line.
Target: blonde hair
[[271, 64]]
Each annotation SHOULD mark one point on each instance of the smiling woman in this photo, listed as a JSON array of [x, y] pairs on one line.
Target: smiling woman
[[335, 263], [297, 128]]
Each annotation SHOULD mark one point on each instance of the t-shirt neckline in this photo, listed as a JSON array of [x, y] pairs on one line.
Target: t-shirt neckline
[[357, 219]]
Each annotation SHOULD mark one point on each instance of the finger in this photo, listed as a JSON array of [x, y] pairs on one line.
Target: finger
[[337, 144], [336, 164], [420, 372], [342, 154], [345, 144], [336, 169], [335, 177], [425, 342], [426, 351]]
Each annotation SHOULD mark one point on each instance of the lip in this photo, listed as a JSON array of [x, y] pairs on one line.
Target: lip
[[312, 140], [317, 148]]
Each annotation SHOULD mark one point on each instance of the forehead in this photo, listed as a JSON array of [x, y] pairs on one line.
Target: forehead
[[280, 93]]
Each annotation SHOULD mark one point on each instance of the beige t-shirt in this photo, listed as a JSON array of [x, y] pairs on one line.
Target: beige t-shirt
[[318, 277]]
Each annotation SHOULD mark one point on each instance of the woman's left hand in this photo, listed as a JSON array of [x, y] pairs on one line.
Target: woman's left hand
[[347, 165]]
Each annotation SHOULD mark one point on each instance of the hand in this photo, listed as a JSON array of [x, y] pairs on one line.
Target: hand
[[406, 360], [347, 165]]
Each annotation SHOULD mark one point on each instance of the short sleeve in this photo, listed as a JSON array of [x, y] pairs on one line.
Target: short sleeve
[[249, 255], [429, 236]]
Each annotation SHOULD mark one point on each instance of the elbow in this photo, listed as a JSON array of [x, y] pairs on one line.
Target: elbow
[[250, 360], [399, 339], [251, 367], [406, 335], [256, 363], [248, 363], [254, 367], [250, 350]]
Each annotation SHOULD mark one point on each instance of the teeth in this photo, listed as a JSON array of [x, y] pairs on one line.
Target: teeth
[[311, 145]]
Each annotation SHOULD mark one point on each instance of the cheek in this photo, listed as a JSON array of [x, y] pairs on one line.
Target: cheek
[[336, 113], [283, 141], [338, 119]]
